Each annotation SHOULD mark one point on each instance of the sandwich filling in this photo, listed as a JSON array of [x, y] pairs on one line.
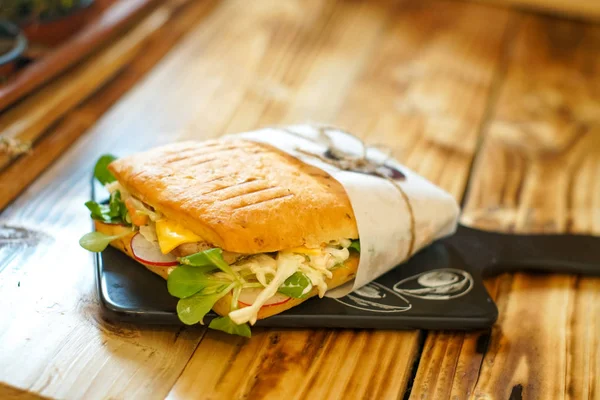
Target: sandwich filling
[[201, 275]]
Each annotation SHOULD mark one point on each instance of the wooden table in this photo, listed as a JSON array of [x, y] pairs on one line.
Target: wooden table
[[499, 107]]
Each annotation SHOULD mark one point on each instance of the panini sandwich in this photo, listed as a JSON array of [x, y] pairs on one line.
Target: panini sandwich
[[232, 225]]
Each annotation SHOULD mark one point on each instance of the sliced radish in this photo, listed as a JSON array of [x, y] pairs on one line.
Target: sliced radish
[[149, 253], [248, 296]]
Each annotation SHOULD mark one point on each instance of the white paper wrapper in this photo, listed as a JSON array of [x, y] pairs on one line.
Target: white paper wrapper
[[382, 213]]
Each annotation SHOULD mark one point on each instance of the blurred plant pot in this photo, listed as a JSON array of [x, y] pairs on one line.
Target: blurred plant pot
[[12, 46], [49, 22]]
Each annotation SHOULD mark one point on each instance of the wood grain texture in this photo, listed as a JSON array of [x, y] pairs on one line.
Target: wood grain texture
[[21, 172], [536, 172], [424, 93], [210, 74], [416, 76], [104, 28], [584, 9], [12, 393], [278, 363], [77, 354], [29, 119]]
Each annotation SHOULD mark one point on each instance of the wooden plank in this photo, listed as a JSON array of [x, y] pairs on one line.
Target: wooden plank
[[237, 70], [29, 119], [72, 352], [536, 172], [102, 29], [550, 349], [19, 174], [77, 354], [584, 9], [424, 36], [301, 364], [409, 98], [11, 393]]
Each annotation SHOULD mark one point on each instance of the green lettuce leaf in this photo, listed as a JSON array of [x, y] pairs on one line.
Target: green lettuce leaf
[[98, 241], [117, 207], [185, 281], [192, 310], [297, 286], [115, 212], [355, 245], [226, 325], [99, 211], [101, 171], [208, 258]]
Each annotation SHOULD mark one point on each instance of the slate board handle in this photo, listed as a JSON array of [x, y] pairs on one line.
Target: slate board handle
[[494, 252], [576, 254]]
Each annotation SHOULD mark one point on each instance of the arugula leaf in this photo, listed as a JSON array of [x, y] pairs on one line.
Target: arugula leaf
[[297, 286], [101, 171], [211, 257], [185, 281], [192, 310], [98, 241], [355, 245], [226, 325]]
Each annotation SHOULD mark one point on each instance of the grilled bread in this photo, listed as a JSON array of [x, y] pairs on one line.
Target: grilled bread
[[241, 196]]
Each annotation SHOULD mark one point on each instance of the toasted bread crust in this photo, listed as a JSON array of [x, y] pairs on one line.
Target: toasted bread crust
[[241, 196], [341, 275]]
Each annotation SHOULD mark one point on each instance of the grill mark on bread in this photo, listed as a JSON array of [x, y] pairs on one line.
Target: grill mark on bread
[[250, 191], [282, 196], [211, 143], [230, 185], [218, 178], [199, 158], [183, 155], [195, 163], [189, 153]]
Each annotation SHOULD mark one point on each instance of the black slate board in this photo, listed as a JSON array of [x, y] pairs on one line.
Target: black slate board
[[439, 288], [129, 292]]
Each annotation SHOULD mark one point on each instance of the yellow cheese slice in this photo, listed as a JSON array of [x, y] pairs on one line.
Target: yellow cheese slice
[[170, 234], [306, 250]]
